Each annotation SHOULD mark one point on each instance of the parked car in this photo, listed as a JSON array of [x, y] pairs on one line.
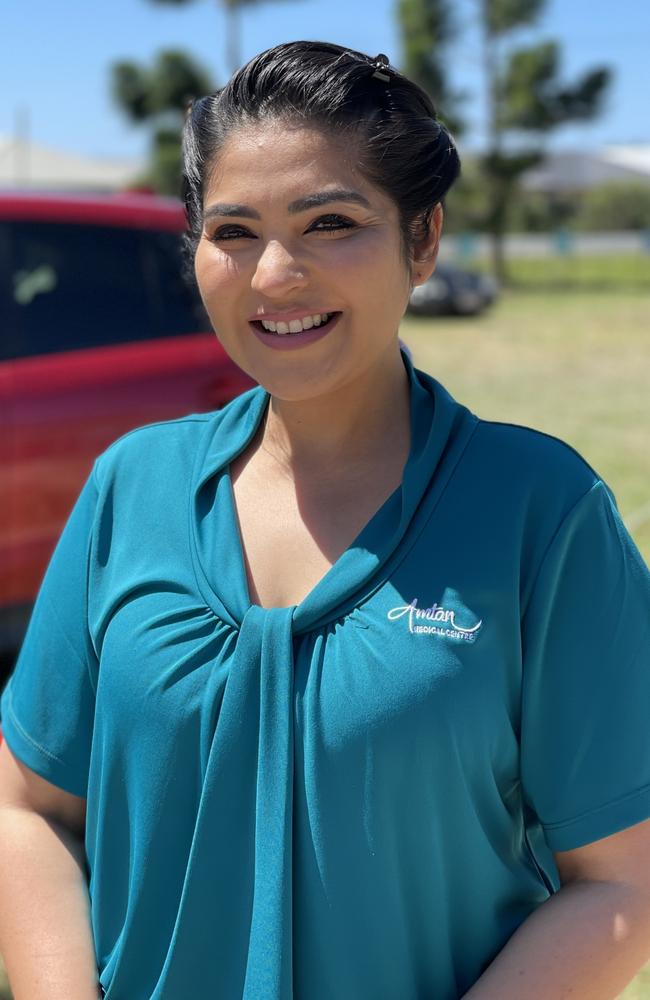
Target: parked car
[[99, 333], [452, 291]]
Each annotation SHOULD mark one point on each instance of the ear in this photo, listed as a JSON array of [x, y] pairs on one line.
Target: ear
[[426, 250]]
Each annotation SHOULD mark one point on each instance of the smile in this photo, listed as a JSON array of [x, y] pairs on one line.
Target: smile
[[294, 326], [307, 333]]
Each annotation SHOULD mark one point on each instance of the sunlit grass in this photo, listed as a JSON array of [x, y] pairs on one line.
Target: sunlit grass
[[595, 273]]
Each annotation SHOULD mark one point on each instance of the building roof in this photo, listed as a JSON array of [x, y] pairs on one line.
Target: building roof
[[30, 165], [577, 171], [636, 158]]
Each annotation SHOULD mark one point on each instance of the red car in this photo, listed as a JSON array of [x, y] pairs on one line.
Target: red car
[[100, 334]]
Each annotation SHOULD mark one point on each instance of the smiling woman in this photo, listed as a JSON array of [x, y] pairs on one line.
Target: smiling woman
[[287, 259], [354, 683], [363, 231]]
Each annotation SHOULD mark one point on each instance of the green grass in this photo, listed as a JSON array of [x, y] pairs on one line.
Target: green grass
[[639, 989], [576, 365], [615, 274]]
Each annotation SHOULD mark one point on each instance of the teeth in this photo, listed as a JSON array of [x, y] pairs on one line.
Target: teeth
[[296, 325]]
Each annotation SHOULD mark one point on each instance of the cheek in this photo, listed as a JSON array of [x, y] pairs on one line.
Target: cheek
[[379, 279], [372, 268], [217, 274]]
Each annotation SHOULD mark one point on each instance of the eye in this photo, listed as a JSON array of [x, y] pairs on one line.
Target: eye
[[228, 233], [335, 222]]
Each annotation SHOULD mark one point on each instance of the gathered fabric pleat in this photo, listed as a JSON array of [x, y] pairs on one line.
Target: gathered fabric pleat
[[269, 967], [246, 804]]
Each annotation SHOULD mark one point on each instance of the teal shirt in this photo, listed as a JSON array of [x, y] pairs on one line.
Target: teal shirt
[[357, 797]]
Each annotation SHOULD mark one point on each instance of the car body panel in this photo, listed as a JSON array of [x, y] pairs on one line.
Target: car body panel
[[60, 408]]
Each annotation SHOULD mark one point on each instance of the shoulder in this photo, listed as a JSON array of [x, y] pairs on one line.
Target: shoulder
[[163, 446], [526, 485], [168, 448], [512, 462], [532, 463]]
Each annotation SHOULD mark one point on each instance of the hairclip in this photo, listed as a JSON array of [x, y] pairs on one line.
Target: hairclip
[[379, 63]]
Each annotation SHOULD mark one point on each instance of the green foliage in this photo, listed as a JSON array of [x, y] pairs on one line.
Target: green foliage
[[504, 15], [536, 212], [527, 99], [532, 99], [467, 205], [508, 167], [617, 205], [130, 89], [168, 85], [166, 161], [526, 96], [176, 80], [585, 100], [159, 95], [612, 207], [427, 28]]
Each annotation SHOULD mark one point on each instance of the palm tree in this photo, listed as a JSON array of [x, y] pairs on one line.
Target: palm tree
[[233, 26], [157, 97]]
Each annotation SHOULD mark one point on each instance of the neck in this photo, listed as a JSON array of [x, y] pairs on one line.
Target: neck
[[360, 422]]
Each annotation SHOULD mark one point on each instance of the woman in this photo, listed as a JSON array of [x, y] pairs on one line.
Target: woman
[[355, 684]]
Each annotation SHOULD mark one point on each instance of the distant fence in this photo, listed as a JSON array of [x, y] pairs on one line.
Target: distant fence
[[562, 243]]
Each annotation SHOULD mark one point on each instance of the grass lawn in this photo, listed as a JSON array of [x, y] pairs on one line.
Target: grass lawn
[[573, 364], [615, 273]]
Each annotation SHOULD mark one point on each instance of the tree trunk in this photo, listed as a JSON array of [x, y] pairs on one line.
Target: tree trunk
[[495, 149], [233, 37], [499, 263]]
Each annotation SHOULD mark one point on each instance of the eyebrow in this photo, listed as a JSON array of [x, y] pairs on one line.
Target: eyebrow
[[301, 205]]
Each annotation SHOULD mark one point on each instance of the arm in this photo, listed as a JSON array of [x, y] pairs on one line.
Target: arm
[[588, 941], [45, 931]]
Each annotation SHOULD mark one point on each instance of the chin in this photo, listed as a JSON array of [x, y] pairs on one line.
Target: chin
[[300, 381]]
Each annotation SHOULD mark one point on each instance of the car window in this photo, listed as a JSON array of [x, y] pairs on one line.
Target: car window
[[177, 304], [8, 344], [76, 286]]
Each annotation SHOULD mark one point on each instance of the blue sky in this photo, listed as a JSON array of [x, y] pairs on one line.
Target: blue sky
[[55, 59]]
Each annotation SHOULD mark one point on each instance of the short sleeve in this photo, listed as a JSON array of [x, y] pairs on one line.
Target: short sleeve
[[585, 724], [47, 707]]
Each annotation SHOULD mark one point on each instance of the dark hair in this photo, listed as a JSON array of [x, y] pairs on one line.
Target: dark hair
[[402, 147]]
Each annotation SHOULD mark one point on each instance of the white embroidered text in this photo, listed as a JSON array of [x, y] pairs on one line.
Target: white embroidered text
[[443, 621]]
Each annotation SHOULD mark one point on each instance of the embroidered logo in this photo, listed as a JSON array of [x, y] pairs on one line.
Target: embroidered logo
[[443, 621]]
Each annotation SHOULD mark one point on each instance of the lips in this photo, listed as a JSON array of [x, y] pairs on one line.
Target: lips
[[258, 326], [294, 341]]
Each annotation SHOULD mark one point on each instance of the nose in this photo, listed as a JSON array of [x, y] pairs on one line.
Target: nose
[[278, 271]]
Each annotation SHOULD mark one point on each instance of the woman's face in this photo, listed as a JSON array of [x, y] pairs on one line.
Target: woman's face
[[268, 256]]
